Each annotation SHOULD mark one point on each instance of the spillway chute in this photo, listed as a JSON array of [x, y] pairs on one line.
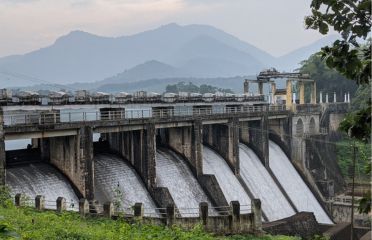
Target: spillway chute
[[41, 179], [232, 189], [117, 182], [261, 184], [173, 173], [294, 185]]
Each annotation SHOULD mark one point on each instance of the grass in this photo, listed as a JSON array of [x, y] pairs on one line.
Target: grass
[[27, 223]]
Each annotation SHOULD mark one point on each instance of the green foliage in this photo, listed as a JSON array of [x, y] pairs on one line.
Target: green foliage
[[319, 237], [358, 123], [352, 19], [7, 232], [365, 203], [190, 87], [362, 98], [354, 63], [345, 156], [182, 87], [5, 197], [327, 80], [267, 237], [362, 166], [26, 223], [118, 196]]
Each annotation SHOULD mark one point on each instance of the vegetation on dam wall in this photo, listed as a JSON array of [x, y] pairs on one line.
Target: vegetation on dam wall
[[345, 158], [27, 223]]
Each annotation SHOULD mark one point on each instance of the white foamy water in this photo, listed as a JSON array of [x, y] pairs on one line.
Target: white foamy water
[[298, 191], [116, 181], [172, 172], [232, 189], [260, 183], [41, 179]]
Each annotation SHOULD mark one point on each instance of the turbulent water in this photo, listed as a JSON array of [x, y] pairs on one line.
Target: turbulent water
[[117, 182], [232, 189], [41, 179], [293, 184], [260, 183], [172, 172]]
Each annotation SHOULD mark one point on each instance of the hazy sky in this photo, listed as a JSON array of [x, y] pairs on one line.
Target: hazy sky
[[276, 26]]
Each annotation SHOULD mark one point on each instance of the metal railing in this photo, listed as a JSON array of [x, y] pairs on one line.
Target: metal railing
[[54, 117], [345, 200], [338, 107], [95, 208]]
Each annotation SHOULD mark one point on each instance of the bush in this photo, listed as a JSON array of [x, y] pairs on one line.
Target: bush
[[27, 223]]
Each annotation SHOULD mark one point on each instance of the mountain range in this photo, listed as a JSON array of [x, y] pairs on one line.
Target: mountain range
[[170, 51]]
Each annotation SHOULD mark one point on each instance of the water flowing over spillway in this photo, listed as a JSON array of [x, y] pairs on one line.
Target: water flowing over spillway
[[117, 182], [172, 172], [41, 179], [296, 188], [260, 183], [232, 189]]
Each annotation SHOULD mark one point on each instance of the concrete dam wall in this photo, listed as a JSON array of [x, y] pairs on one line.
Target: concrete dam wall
[[117, 181]]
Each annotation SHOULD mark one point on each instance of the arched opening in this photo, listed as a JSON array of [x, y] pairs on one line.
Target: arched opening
[[312, 126], [299, 127]]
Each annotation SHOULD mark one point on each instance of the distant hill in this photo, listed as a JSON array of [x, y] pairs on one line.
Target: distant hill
[[290, 61], [148, 70], [168, 51], [205, 56]]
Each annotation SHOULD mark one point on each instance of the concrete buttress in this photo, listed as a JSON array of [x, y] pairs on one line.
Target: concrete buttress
[[86, 157]]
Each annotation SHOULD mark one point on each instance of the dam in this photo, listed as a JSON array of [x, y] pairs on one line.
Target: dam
[[171, 154]]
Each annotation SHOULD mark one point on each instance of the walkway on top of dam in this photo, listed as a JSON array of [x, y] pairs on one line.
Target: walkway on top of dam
[[64, 123]]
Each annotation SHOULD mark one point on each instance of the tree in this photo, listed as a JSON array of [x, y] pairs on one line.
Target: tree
[[190, 87], [171, 88], [327, 80], [352, 19]]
